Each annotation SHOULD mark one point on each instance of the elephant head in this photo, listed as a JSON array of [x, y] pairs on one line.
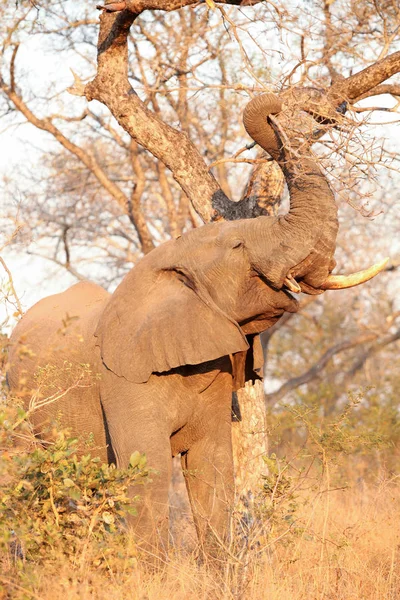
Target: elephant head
[[194, 299]]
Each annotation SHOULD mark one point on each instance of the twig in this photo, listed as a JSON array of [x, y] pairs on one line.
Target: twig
[[10, 279]]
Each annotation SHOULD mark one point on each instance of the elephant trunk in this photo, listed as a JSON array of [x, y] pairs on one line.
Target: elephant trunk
[[305, 238], [307, 234]]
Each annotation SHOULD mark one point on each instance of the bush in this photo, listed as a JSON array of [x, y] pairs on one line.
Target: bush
[[55, 503]]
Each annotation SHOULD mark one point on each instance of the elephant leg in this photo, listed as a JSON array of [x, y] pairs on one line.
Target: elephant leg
[[135, 425], [150, 525], [151, 522], [208, 471]]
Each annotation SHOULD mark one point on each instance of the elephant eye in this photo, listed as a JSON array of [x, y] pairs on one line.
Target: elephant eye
[[238, 244]]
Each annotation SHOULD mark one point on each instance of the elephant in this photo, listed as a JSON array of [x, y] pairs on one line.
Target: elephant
[[165, 349]]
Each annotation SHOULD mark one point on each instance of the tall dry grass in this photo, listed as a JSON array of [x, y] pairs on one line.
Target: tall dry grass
[[324, 525], [344, 545]]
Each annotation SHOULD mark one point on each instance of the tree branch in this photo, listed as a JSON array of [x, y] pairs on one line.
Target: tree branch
[[111, 87], [265, 188], [87, 159], [11, 282], [327, 106], [138, 6], [354, 87], [374, 349], [315, 370], [385, 88], [59, 263], [135, 213]]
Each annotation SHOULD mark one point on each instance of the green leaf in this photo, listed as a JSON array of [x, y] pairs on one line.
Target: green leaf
[[142, 461], [75, 494], [131, 510], [108, 517], [58, 455], [135, 459], [68, 482]]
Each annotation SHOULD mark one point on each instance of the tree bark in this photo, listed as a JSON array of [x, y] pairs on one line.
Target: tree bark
[[250, 442], [111, 87]]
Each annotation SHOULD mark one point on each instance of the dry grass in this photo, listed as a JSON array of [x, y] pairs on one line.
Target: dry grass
[[349, 550], [346, 548], [329, 530]]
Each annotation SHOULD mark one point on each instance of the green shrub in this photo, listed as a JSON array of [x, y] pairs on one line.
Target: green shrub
[[54, 502]]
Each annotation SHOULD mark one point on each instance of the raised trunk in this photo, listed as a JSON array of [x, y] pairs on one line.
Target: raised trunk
[[305, 237]]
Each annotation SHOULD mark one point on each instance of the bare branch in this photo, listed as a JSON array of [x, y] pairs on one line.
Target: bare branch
[[78, 87], [316, 369], [354, 87], [375, 348], [138, 6], [384, 88], [135, 213], [12, 67], [87, 159], [11, 282], [66, 247], [266, 185], [111, 86], [59, 263]]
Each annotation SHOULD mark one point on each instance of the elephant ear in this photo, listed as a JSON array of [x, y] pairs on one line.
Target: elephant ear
[[247, 365], [155, 322]]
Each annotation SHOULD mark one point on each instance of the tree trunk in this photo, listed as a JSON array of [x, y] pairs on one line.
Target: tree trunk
[[250, 441]]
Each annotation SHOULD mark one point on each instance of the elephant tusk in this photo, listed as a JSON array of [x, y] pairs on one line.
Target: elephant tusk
[[340, 282], [292, 284]]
